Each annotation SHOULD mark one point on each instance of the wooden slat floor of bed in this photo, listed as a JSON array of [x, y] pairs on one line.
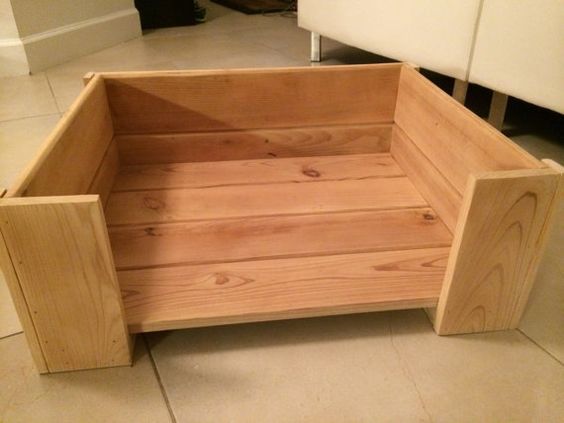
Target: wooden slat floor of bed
[[210, 243]]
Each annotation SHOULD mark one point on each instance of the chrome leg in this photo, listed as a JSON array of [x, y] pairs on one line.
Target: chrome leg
[[315, 47]]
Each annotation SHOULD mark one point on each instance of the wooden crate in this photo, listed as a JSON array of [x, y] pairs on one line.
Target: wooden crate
[[168, 200]]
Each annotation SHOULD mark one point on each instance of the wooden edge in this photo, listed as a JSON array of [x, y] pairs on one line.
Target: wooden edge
[[88, 77], [475, 118], [413, 66], [25, 177], [3, 192], [274, 71]]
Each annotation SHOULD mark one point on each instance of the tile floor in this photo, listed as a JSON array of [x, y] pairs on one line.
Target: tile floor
[[370, 367]]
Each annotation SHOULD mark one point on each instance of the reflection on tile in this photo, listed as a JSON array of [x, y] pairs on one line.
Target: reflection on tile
[[328, 370], [491, 377], [121, 394], [9, 322], [19, 141], [24, 96]]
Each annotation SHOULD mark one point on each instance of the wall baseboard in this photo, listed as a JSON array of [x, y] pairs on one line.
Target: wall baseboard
[[65, 43]]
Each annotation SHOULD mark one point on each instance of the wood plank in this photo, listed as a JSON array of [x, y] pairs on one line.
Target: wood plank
[[245, 172], [202, 295], [60, 252], [496, 249], [8, 269], [253, 238], [162, 206], [428, 180], [455, 140], [106, 173], [67, 162], [254, 144], [188, 101]]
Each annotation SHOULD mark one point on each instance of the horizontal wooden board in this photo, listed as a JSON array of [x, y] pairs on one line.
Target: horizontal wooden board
[[455, 140], [244, 172], [428, 180], [160, 206], [68, 160], [201, 295], [254, 238], [106, 174], [186, 101], [254, 144]]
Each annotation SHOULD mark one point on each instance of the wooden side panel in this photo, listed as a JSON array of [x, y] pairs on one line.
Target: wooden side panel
[[69, 159], [185, 101], [252, 238], [106, 173], [429, 181], [455, 140], [496, 248], [60, 252], [201, 295], [254, 144]]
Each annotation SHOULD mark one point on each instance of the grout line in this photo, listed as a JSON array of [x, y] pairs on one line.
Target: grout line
[[540, 346], [57, 113], [10, 335], [159, 380], [53, 93]]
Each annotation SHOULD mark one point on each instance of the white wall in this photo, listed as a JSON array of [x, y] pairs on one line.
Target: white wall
[[48, 32]]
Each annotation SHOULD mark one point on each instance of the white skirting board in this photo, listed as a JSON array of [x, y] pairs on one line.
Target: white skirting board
[[43, 50]]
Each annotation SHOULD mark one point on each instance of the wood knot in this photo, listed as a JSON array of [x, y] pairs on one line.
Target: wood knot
[[153, 203], [428, 216], [312, 173], [151, 231]]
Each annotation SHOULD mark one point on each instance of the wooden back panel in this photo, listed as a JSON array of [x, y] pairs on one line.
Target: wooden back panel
[[199, 101], [68, 161], [457, 142]]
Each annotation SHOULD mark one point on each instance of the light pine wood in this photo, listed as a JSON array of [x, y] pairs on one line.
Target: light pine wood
[[60, 252], [201, 295], [498, 106], [254, 144], [245, 172], [69, 159], [455, 140], [19, 300], [252, 238], [428, 180], [88, 76], [191, 101], [496, 249], [106, 174], [161, 206]]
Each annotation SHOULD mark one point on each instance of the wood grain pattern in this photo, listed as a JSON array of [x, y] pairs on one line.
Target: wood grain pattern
[[275, 236], [428, 180], [188, 101], [69, 159], [455, 140], [245, 172], [106, 174], [60, 251], [254, 144], [201, 295], [496, 249], [161, 206], [20, 304]]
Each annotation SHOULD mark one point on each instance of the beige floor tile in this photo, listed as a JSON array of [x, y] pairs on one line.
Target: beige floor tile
[[9, 322], [19, 141], [492, 377], [25, 96], [121, 394], [337, 369]]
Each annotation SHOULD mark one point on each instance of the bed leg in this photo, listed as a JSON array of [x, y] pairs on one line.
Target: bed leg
[[315, 55], [497, 109], [459, 91]]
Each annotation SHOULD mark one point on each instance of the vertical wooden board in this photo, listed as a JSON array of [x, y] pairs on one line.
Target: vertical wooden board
[[455, 140], [497, 244], [429, 181], [7, 268], [60, 252], [188, 101], [106, 173], [70, 157]]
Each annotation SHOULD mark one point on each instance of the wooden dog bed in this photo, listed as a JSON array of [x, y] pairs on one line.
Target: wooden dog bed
[[167, 200]]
